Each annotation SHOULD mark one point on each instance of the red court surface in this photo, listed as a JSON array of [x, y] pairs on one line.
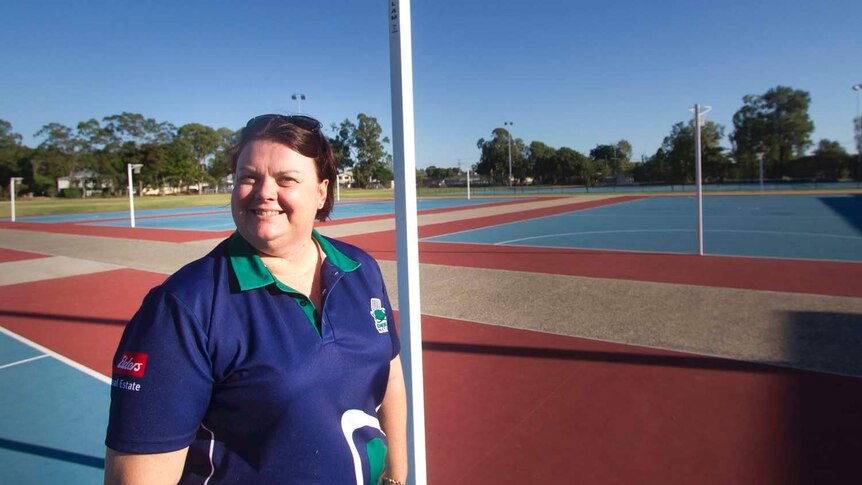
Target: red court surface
[[439, 210], [512, 406], [9, 255], [79, 317], [141, 233], [508, 406], [787, 275]]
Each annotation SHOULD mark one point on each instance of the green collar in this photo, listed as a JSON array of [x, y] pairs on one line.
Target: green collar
[[251, 273]]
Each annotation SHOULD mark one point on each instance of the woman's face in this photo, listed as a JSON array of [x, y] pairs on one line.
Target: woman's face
[[275, 197]]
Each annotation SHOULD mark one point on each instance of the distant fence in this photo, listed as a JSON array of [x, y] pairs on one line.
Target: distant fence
[[736, 186]]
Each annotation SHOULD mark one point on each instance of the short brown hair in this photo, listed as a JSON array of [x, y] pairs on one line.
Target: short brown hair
[[301, 134]]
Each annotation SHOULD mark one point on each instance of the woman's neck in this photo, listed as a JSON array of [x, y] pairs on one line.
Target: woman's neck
[[300, 270]]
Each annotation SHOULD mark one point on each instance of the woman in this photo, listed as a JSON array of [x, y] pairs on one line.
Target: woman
[[274, 359]]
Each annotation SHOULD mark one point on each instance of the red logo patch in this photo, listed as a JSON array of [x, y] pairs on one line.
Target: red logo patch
[[132, 364]]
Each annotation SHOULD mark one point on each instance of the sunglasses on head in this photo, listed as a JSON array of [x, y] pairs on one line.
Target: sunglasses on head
[[301, 121]]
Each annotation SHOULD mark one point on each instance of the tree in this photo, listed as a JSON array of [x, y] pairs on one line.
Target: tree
[[574, 167], [10, 151], [830, 161], [624, 148], [134, 127], [57, 155], [201, 140], [829, 148], [616, 156], [545, 169], [220, 166], [494, 159], [370, 154], [774, 126], [674, 161], [341, 142]]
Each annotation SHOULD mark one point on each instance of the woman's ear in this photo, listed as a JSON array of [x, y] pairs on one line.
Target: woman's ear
[[322, 193]]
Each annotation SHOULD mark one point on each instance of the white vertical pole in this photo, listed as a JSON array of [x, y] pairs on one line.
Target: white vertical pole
[[760, 158], [337, 188], [511, 180], [12, 196], [698, 177], [406, 230], [468, 184], [131, 195]]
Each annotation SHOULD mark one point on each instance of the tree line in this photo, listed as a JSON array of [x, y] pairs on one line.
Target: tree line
[[773, 128], [95, 153]]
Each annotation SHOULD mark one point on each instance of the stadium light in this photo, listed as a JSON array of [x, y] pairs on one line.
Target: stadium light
[[509, 123], [699, 119], [12, 182], [136, 168], [299, 98]]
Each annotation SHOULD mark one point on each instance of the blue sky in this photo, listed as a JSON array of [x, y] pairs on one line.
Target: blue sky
[[568, 73]]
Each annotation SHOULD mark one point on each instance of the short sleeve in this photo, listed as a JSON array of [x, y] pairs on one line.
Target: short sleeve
[[161, 378]]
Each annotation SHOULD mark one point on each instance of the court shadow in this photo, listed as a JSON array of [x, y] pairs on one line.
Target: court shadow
[[681, 361], [804, 425], [63, 318], [823, 341], [848, 207], [830, 428], [53, 453]]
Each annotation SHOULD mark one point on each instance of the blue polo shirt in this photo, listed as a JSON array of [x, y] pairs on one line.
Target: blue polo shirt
[[258, 383]]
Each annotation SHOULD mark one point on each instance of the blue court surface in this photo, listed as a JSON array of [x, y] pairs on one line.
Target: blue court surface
[[218, 218], [52, 418], [822, 227]]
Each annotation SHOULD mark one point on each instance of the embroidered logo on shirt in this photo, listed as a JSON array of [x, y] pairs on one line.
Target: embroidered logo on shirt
[[379, 315], [132, 364]]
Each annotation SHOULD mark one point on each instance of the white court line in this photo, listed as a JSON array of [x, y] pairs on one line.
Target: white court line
[[31, 359], [547, 236], [529, 219], [625, 231], [61, 358]]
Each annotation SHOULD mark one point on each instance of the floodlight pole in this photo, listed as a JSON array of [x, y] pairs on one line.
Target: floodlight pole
[[857, 128], [337, 187], [509, 123], [12, 182], [406, 232], [136, 168], [468, 184], [299, 98]]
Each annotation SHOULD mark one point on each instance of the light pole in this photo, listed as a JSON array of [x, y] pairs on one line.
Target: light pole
[[299, 98], [136, 168], [509, 123], [12, 182], [857, 129]]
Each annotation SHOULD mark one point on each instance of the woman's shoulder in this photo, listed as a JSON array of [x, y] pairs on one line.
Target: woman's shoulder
[[200, 275], [349, 250]]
